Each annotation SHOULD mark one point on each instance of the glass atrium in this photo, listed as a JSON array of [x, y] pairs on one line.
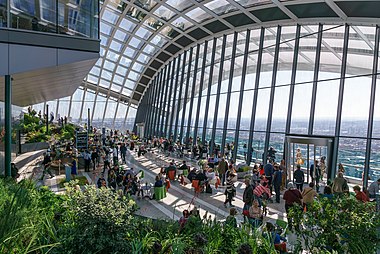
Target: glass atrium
[[245, 71]]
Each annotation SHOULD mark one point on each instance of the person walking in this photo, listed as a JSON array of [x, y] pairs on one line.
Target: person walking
[[277, 180], [299, 177], [230, 190], [247, 197]]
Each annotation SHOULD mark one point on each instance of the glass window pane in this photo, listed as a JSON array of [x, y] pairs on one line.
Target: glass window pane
[[355, 107], [258, 144], [198, 15], [130, 118], [301, 108], [280, 108], [351, 153], [179, 4], [374, 171], [360, 50], [246, 111], [211, 112], [331, 51], [325, 107], [306, 54], [376, 115], [221, 111], [262, 109], [233, 111]]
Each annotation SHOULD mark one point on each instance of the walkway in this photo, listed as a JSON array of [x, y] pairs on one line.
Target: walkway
[[181, 197]]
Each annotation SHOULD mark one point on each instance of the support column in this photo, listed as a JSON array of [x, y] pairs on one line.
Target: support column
[[8, 125], [367, 160], [47, 118], [254, 104], [334, 160], [89, 130]]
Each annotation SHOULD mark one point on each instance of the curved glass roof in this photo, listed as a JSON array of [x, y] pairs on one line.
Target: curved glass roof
[[139, 36]]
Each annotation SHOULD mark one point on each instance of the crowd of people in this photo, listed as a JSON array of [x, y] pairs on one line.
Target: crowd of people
[[263, 184]]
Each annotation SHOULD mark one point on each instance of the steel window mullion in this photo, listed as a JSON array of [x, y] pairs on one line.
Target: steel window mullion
[[371, 109], [169, 110], [254, 104], [162, 84], [209, 89], [186, 93], [272, 90], [174, 99], [148, 111], [315, 79], [293, 79], [174, 87], [179, 97], [241, 94], [168, 97], [182, 87], [164, 98], [105, 108], [151, 108], [200, 91], [174, 124], [81, 106], [164, 110], [340, 103], [154, 112], [158, 96], [192, 92], [220, 77], [230, 79], [93, 107]]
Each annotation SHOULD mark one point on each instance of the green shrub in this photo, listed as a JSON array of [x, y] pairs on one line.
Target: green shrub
[[95, 221], [341, 225], [27, 221]]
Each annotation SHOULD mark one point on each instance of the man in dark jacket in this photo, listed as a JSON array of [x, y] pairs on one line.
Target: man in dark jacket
[[268, 170], [223, 167], [299, 178], [247, 197], [277, 180], [123, 152]]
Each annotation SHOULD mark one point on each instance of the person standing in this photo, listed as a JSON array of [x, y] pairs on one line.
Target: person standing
[[94, 158], [277, 180], [231, 220], [268, 171], [308, 194], [373, 188], [247, 197], [340, 185], [284, 173], [46, 166], [299, 177], [123, 151], [292, 197], [87, 160], [230, 190], [223, 166]]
